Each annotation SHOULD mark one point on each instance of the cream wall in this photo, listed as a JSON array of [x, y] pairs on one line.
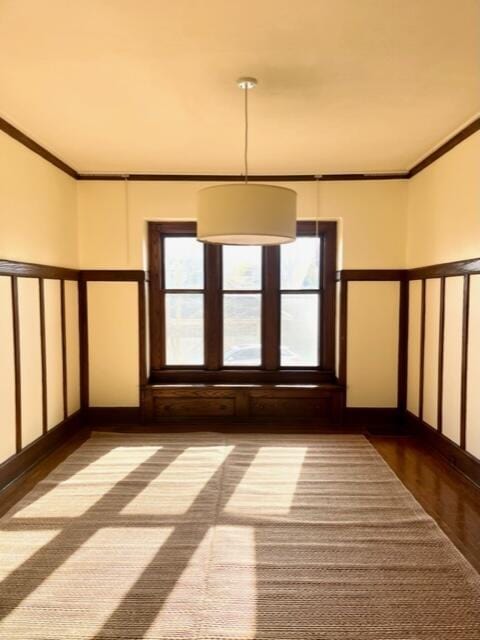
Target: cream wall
[[38, 223], [7, 372], [72, 340], [473, 370], [443, 210], [431, 351], [30, 358], [48, 218], [113, 344], [53, 352], [38, 219], [112, 235], [414, 329], [372, 344], [452, 357], [112, 231], [443, 225]]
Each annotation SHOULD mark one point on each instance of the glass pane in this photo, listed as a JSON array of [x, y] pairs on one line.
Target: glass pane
[[299, 330], [184, 328], [242, 330], [183, 263], [242, 267], [300, 264]]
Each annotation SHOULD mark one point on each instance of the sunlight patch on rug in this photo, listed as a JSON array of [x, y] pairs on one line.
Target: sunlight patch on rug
[[175, 489], [100, 572], [77, 492], [16, 548], [269, 484]]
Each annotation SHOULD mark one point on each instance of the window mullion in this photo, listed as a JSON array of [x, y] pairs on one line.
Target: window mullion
[[213, 307], [271, 308], [157, 302]]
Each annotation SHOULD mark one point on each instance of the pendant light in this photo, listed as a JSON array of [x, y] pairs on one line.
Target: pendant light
[[246, 213]]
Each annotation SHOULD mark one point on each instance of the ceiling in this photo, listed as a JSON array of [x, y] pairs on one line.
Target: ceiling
[[148, 86]]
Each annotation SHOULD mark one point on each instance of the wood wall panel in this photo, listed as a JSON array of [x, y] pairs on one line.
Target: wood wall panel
[[414, 331], [338, 294], [431, 351], [452, 363], [473, 378], [53, 352], [372, 339], [7, 372], [73, 346], [30, 358], [113, 345], [244, 403]]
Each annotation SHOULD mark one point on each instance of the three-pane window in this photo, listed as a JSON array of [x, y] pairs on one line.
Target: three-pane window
[[221, 308]]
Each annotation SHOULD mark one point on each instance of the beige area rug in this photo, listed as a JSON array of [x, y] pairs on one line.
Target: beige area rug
[[205, 536]]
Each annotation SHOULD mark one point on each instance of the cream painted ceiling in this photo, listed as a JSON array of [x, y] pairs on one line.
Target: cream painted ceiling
[[149, 85]]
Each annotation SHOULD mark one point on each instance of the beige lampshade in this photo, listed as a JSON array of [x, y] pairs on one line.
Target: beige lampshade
[[246, 214]]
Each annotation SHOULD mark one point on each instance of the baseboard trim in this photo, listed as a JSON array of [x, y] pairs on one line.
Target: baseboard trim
[[372, 416], [18, 464], [453, 454], [112, 415]]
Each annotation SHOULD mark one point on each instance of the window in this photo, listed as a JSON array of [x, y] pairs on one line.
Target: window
[[184, 301], [242, 306], [238, 313]]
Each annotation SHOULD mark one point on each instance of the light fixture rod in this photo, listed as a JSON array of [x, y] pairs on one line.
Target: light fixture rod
[[245, 84], [246, 138]]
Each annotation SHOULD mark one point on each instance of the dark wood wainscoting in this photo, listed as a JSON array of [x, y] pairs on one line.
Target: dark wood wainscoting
[[454, 454], [322, 404], [14, 467]]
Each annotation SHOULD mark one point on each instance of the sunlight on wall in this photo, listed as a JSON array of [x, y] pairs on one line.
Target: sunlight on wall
[[175, 489], [100, 476], [90, 584], [268, 486]]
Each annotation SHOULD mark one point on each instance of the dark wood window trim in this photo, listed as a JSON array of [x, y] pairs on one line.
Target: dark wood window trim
[[213, 370]]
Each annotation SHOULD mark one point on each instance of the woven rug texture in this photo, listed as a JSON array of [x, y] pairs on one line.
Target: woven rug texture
[[206, 536]]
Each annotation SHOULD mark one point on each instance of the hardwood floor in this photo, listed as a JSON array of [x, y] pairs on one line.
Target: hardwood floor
[[445, 494], [450, 498]]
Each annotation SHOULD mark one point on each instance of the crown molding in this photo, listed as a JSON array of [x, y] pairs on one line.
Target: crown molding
[[452, 142], [175, 177], [17, 135], [447, 146]]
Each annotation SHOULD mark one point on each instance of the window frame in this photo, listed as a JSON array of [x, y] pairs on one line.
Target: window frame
[[213, 369]]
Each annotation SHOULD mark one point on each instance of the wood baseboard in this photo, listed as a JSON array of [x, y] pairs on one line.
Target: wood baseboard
[[372, 416], [456, 456], [18, 464], [356, 420], [112, 415]]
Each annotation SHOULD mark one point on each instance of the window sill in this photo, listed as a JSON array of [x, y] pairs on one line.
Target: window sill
[[243, 376]]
